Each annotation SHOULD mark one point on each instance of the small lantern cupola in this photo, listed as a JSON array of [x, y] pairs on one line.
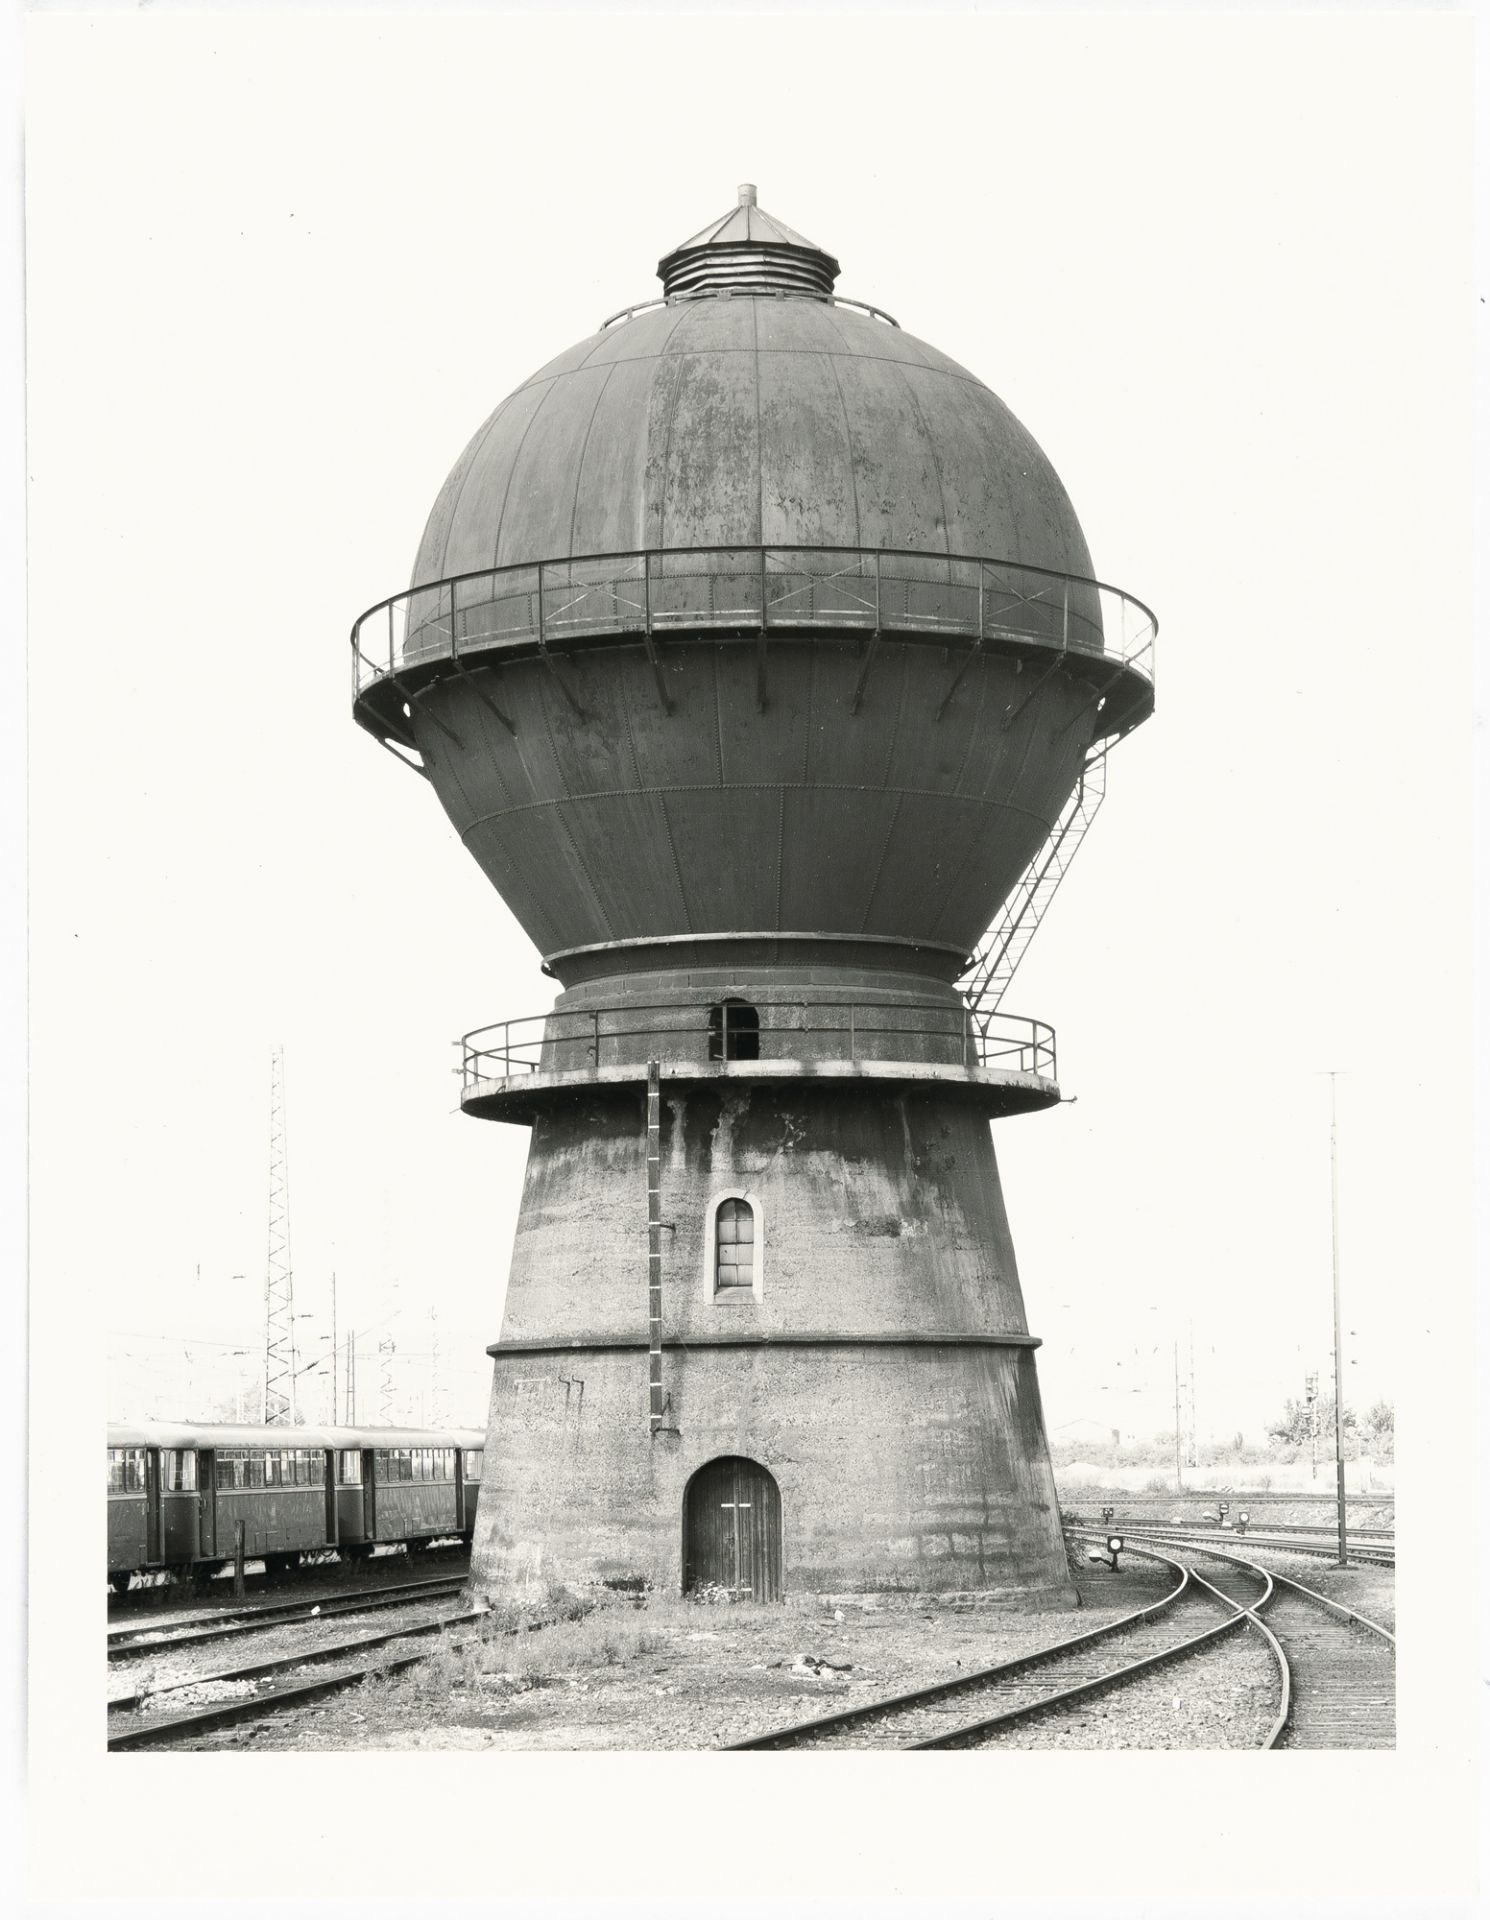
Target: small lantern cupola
[[747, 251]]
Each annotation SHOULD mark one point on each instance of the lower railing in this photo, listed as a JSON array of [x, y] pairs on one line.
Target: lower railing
[[735, 1034]]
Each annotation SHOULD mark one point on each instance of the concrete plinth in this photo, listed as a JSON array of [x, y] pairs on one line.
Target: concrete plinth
[[879, 1368]]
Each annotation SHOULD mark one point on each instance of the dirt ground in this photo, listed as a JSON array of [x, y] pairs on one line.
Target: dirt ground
[[674, 1675]]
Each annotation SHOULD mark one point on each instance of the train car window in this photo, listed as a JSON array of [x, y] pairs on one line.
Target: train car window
[[178, 1470], [131, 1471], [256, 1470], [473, 1463], [126, 1469], [349, 1468]]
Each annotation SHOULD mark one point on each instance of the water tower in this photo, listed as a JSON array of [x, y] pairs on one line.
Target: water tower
[[754, 652]]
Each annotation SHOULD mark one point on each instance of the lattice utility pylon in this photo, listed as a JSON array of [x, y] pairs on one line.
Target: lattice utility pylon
[[1003, 946], [385, 1382], [436, 1387], [279, 1284]]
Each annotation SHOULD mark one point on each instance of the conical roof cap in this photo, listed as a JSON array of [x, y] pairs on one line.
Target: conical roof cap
[[748, 250]]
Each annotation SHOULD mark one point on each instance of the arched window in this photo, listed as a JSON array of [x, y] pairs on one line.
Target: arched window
[[734, 1031], [734, 1245]]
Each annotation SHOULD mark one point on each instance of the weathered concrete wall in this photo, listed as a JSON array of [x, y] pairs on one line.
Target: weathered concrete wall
[[917, 1462], [918, 1467], [882, 1213]]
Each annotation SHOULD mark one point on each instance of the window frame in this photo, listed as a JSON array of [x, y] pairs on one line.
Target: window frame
[[755, 1291]]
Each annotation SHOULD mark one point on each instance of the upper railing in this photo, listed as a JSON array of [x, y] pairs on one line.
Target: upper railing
[[806, 1035], [692, 589], [672, 299]]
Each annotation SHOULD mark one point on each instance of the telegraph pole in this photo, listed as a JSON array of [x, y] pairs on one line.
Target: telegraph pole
[[1179, 1478], [334, 1355], [1335, 1277], [279, 1283]]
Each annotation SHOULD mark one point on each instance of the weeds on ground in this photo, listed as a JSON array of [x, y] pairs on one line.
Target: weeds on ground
[[507, 1654]]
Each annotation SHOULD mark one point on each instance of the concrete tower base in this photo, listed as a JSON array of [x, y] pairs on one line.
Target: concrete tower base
[[878, 1368]]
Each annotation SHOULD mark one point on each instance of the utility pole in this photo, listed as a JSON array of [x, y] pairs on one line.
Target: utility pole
[[352, 1377], [385, 1382], [1179, 1478], [1335, 1276], [279, 1283], [333, 1349], [1194, 1422], [434, 1368]]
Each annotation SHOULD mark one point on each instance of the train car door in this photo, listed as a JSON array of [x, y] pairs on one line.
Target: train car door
[[369, 1496], [154, 1549], [460, 1491], [332, 1531], [207, 1503], [732, 1530]]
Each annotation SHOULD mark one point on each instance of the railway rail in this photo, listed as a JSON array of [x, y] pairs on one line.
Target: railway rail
[[149, 1728], [1372, 1553], [1080, 1665], [1334, 1669], [1343, 1667], [165, 1636]]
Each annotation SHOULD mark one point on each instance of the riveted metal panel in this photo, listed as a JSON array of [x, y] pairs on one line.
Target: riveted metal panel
[[931, 448]]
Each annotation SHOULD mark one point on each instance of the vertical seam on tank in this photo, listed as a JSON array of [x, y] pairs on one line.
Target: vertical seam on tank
[[667, 827], [760, 464], [807, 733], [954, 887], [626, 359], [885, 787], [516, 457], [561, 809], [972, 732], [661, 798], [848, 440], [476, 452], [880, 863], [780, 849], [718, 719], [929, 442], [579, 465], [667, 444]]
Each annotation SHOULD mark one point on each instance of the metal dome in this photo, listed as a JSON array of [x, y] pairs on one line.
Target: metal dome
[[832, 654], [750, 419]]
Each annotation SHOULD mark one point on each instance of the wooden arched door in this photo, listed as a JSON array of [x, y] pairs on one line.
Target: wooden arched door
[[732, 1530]]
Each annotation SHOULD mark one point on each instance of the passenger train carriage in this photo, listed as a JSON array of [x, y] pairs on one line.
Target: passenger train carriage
[[176, 1492]]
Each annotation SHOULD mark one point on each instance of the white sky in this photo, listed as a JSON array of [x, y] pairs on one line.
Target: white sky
[[277, 275], [278, 268]]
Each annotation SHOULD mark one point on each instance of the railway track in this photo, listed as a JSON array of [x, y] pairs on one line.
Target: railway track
[[1181, 1624], [1334, 1670], [1343, 1667], [1368, 1552], [148, 1727], [128, 1642]]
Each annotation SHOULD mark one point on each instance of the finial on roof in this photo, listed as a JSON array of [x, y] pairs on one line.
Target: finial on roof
[[748, 252]]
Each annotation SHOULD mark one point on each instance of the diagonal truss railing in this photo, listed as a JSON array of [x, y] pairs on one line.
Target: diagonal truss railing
[[1004, 945]]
